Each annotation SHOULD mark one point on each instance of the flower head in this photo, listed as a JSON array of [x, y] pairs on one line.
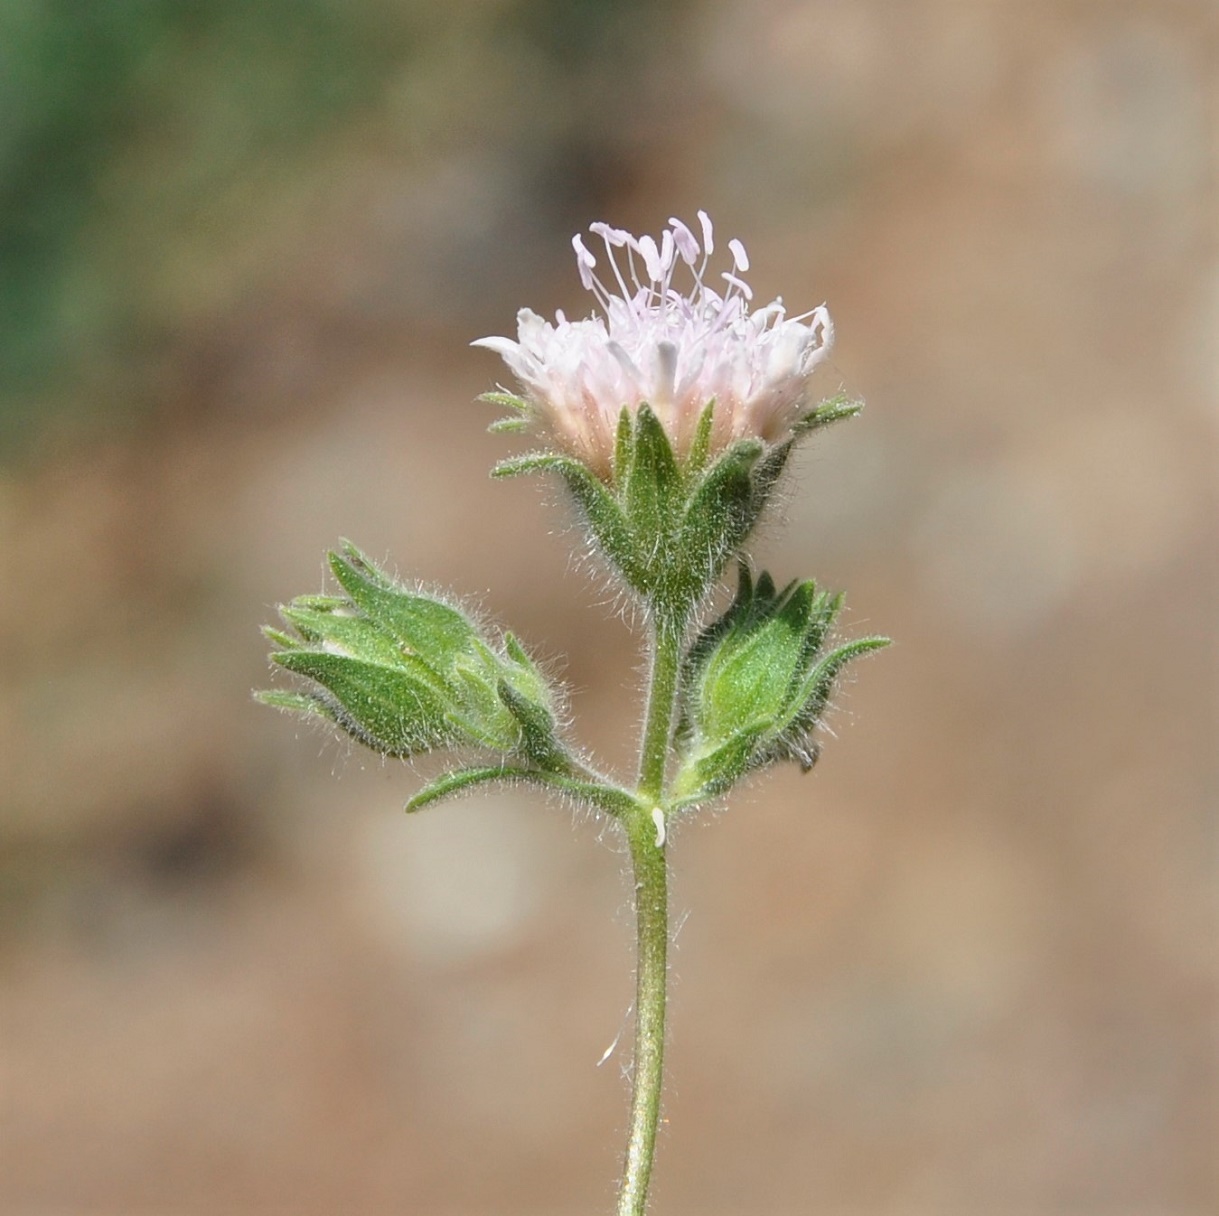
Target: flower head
[[675, 352]]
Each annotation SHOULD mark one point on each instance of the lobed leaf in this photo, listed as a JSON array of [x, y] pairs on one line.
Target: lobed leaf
[[398, 712]]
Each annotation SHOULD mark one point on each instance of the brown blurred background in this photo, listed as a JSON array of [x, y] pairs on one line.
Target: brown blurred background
[[967, 966]]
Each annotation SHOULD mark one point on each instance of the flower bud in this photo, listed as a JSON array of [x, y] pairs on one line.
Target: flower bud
[[403, 672], [756, 683]]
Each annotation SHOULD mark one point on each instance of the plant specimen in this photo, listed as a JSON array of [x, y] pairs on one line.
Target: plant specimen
[[670, 415]]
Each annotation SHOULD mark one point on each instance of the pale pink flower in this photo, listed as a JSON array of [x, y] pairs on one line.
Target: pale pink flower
[[676, 352]]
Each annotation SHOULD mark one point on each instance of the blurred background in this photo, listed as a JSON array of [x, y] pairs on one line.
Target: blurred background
[[968, 965]]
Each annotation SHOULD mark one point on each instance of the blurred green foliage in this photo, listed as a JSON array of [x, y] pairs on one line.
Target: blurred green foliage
[[125, 115], [142, 140]]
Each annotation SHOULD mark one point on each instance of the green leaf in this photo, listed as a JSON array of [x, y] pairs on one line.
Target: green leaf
[[700, 445], [833, 409], [751, 674], [509, 401], [398, 712], [767, 474], [517, 653], [599, 507], [292, 702], [538, 740], [817, 686], [721, 511], [624, 447], [322, 603], [823, 612], [352, 635], [280, 638], [531, 462], [477, 713], [508, 426], [709, 774], [607, 798], [455, 782], [435, 631], [653, 486], [605, 519]]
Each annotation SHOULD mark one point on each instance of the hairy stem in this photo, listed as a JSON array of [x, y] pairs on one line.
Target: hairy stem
[[666, 665], [652, 928], [646, 839]]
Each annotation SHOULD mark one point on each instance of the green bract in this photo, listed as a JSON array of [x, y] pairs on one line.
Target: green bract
[[669, 526], [755, 683], [404, 673]]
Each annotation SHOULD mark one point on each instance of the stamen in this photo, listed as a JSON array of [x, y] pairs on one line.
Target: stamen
[[611, 237], [651, 258], [584, 262], [687, 246], [632, 248], [667, 261], [740, 284], [740, 259], [708, 244]]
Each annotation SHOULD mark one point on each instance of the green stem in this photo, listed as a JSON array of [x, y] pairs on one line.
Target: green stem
[[652, 927], [666, 665], [646, 840]]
